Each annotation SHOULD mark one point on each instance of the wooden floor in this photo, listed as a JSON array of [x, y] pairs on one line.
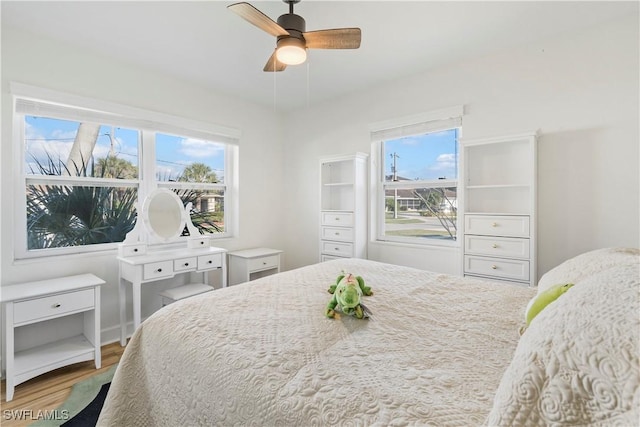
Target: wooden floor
[[50, 390]]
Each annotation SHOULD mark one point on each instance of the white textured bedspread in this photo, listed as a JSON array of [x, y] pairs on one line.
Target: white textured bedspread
[[264, 354]]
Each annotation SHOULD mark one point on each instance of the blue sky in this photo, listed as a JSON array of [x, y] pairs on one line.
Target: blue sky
[[55, 137], [426, 157]]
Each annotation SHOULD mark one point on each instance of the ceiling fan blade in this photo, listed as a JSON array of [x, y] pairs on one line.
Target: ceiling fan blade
[[273, 64], [338, 38], [257, 18]]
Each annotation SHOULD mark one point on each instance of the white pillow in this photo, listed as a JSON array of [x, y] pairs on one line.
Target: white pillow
[[587, 264], [578, 362]]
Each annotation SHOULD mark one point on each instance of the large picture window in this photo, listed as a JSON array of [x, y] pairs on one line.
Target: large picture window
[[84, 171], [416, 182]]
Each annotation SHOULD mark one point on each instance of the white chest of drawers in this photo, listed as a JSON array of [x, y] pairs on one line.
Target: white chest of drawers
[[250, 264], [42, 301], [498, 247], [151, 266]]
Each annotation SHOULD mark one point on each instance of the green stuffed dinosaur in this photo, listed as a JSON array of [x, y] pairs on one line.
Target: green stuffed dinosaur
[[347, 293]]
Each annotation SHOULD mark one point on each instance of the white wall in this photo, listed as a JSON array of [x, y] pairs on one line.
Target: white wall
[[580, 91], [35, 61]]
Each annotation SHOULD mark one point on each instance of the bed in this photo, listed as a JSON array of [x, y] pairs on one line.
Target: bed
[[437, 350]]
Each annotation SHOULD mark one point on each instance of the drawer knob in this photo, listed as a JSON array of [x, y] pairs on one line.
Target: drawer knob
[[159, 270], [337, 218], [495, 245], [135, 250], [494, 267], [210, 262], [202, 243], [494, 224], [264, 263], [56, 305], [337, 234], [337, 249], [186, 264]]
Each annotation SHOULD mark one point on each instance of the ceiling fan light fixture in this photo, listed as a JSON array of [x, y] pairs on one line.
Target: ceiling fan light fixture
[[291, 51]]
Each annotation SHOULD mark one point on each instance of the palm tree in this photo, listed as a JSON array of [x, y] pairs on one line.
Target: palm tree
[[198, 172], [61, 215]]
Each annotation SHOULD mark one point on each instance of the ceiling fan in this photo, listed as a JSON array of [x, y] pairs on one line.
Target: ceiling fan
[[292, 39]]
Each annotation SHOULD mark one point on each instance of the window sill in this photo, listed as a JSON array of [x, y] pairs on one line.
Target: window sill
[[427, 245]]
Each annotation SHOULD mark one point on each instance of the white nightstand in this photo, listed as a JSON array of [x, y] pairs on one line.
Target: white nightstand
[[251, 264], [45, 300]]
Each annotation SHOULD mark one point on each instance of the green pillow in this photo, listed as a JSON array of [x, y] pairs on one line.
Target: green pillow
[[540, 301]]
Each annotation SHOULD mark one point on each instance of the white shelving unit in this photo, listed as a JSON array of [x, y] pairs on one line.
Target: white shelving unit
[[343, 206], [498, 177], [42, 301]]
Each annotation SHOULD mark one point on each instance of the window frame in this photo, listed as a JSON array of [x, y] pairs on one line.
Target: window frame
[[420, 124], [147, 123]]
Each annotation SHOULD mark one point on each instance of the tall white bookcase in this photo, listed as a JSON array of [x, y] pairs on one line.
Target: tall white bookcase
[[343, 206], [498, 177]]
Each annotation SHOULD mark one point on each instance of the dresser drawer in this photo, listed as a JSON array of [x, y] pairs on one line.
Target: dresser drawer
[[132, 250], [185, 264], [343, 234], [342, 219], [207, 262], [263, 263], [497, 246], [495, 267], [337, 248], [53, 306], [156, 270], [492, 225]]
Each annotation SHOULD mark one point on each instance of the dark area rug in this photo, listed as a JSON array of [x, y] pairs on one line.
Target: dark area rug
[[89, 415], [82, 407]]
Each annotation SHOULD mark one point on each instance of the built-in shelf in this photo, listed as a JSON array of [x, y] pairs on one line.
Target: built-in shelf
[[499, 208], [343, 206]]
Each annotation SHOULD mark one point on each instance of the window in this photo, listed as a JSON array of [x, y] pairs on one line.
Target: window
[[416, 180], [194, 169], [84, 170]]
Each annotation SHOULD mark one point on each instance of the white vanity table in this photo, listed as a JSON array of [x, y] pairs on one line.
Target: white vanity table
[[151, 251]]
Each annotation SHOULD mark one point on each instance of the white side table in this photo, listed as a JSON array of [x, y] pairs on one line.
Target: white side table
[[251, 264], [45, 300]]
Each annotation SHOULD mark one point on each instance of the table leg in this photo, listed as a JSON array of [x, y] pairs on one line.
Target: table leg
[[136, 304], [122, 299]]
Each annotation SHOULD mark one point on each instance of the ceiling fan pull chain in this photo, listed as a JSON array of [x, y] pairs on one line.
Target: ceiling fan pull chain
[[308, 67]]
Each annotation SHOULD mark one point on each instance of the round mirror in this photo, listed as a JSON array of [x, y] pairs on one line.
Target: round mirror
[[163, 215]]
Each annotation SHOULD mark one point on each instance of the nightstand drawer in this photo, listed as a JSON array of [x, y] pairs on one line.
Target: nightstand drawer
[[53, 306], [495, 267], [493, 225], [207, 262], [185, 264], [336, 248], [156, 270], [497, 246], [263, 263], [342, 219], [344, 234]]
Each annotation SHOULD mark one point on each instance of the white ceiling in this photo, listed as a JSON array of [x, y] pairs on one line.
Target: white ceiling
[[204, 43]]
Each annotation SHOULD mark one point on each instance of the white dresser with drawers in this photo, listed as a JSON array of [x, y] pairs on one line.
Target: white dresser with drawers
[[343, 204], [498, 177], [29, 303], [139, 266]]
